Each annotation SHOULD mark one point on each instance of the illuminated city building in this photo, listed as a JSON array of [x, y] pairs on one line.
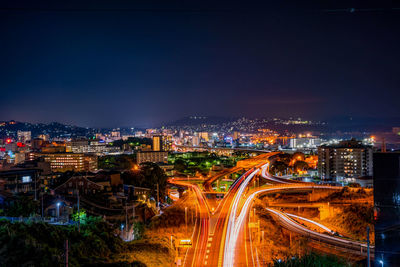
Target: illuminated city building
[[195, 141], [61, 162], [236, 135], [167, 142], [304, 142], [44, 137], [347, 159], [24, 136], [115, 135], [19, 180], [152, 156], [91, 146], [203, 136], [158, 143]]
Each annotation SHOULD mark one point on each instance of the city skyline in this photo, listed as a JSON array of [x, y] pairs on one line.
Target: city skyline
[[131, 64]]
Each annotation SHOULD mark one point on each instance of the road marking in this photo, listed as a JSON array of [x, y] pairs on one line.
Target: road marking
[[205, 263], [209, 245], [210, 239], [206, 257], [208, 251]]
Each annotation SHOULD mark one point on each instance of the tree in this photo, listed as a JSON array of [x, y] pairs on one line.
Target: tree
[[279, 167], [300, 165], [180, 165], [22, 206], [298, 156], [312, 260], [154, 175], [148, 176]]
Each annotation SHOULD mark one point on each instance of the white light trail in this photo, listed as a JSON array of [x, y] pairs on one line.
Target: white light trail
[[235, 224], [265, 175], [232, 233], [313, 222]]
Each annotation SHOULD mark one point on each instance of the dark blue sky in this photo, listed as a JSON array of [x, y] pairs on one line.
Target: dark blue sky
[[151, 63]]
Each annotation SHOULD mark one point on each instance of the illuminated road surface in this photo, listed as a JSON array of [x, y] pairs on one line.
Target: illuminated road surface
[[195, 255], [227, 241], [332, 240], [233, 257], [313, 222]]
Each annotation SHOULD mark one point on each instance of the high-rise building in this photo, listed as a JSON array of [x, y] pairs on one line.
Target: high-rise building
[[195, 141], [167, 142], [347, 159], [387, 208], [203, 136], [157, 143], [236, 135], [24, 136]]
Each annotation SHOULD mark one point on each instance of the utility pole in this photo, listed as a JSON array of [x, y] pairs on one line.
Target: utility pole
[[79, 215], [35, 187], [126, 221], [368, 254], [42, 206], [66, 253], [158, 196]]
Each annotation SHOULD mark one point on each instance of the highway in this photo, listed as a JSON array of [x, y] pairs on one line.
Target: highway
[[223, 237], [237, 220], [355, 246], [196, 254], [311, 221], [208, 182]]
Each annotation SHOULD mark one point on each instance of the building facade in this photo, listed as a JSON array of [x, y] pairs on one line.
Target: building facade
[[152, 156], [61, 162], [346, 160], [387, 208], [24, 136], [157, 143]]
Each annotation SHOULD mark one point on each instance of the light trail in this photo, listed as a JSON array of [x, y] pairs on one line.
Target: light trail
[[313, 222], [199, 249], [232, 229], [292, 225], [267, 176], [235, 225]]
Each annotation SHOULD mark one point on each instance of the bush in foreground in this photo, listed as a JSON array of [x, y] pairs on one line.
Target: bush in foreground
[[311, 260]]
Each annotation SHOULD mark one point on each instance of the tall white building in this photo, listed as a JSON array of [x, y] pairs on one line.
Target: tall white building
[[304, 142]]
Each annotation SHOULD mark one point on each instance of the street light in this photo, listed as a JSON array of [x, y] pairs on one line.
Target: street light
[[381, 262], [58, 210]]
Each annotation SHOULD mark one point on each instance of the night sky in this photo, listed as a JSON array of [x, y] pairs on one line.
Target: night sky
[[142, 64]]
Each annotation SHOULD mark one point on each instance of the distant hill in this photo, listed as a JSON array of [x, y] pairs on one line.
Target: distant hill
[[198, 120], [53, 129]]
